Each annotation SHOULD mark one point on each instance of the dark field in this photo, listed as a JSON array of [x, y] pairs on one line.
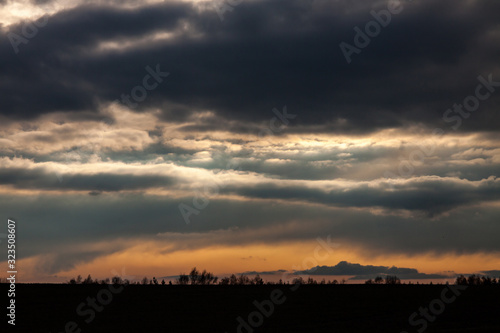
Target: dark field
[[311, 308]]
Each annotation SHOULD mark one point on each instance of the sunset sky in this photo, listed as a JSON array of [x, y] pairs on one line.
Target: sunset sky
[[149, 137]]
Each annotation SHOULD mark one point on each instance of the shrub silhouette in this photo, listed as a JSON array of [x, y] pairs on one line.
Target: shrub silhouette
[[461, 280], [208, 278], [193, 276], [205, 278], [183, 279], [258, 280], [88, 280], [475, 280], [298, 280], [392, 280], [243, 279], [224, 281], [310, 280]]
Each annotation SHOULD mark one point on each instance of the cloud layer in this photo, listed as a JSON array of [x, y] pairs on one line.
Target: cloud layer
[[261, 132], [362, 272]]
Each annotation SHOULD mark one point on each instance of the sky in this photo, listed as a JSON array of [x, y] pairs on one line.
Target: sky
[[337, 138]]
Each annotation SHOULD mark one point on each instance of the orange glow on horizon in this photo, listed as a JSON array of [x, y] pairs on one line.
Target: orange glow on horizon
[[154, 259]]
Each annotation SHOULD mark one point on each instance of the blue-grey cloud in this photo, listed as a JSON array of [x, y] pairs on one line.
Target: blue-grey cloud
[[363, 272], [265, 54], [495, 273]]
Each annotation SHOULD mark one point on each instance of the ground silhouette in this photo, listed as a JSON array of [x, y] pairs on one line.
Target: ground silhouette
[[252, 305]]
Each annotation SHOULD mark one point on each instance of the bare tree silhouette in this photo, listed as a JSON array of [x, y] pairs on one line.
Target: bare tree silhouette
[[392, 280], [183, 279], [88, 280], [258, 280], [193, 275]]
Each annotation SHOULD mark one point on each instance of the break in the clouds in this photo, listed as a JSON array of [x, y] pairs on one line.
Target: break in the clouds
[[124, 123]]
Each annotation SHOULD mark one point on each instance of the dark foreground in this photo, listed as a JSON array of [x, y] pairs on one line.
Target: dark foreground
[[310, 308]]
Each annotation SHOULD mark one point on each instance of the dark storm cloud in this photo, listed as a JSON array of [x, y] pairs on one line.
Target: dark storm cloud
[[52, 224], [433, 195], [55, 69], [279, 271], [362, 272], [228, 76], [54, 263], [264, 54], [492, 273], [41, 179]]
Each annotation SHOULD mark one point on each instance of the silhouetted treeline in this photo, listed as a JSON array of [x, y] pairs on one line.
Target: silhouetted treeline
[[207, 278], [475, 280], [114, 280], [472, 280], [89, 280], [196, 277], [388, 280]]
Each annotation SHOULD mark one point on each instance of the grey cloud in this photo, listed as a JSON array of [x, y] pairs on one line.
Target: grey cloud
[[53, 223], [432, 195], [265, 54], [279, 271], [39, 178], [495, 273], [253, 61], [362, 272], [54, 263]]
